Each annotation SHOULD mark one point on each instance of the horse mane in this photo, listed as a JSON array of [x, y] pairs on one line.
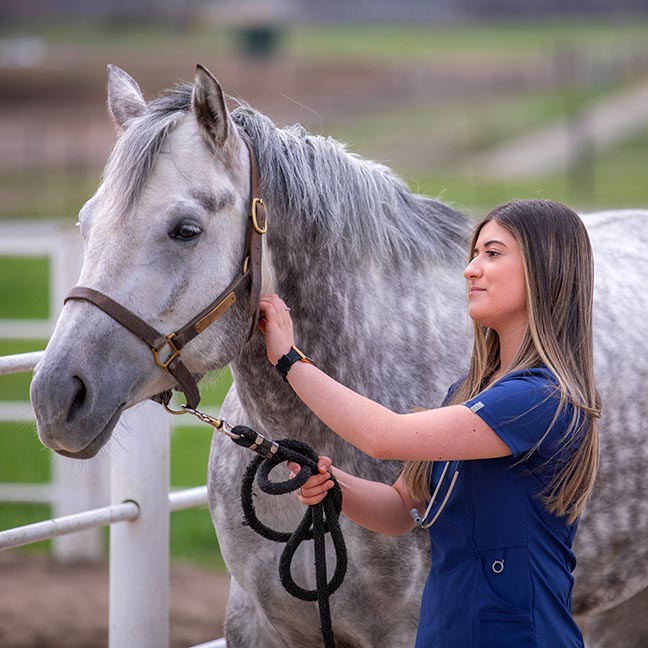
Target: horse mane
[[351, 206]]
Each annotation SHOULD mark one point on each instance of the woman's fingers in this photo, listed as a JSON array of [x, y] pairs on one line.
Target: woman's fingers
[[318, 485], [276, 325], [311, 494], [316, 480], [324, 464], [274, 308], [294, 468]]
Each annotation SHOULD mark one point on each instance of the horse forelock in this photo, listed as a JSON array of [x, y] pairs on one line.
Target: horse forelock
[[133, 157]]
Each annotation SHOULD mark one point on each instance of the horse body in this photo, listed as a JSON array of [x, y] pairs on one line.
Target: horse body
[[373, 275], [612, 557]]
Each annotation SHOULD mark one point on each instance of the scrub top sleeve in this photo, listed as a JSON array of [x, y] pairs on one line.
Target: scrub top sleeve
[[519, 409]]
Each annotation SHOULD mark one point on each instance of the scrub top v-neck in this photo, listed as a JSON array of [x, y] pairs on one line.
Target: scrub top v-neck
[[501, 574]]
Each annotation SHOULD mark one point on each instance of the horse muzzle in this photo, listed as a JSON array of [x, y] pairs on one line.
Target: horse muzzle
[[78, 403]]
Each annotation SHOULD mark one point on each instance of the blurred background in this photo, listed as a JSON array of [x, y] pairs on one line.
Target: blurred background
[[472, 101]]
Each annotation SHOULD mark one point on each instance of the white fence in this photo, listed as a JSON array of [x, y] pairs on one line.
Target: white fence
[[71, 490], [140, 502]]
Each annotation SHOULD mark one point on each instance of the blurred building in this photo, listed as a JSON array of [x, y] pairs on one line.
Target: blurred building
[[99, 10], [371, 11]]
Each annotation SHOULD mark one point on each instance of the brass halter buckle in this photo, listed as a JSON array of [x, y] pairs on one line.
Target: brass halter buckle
[[175, 352], [255, 222]]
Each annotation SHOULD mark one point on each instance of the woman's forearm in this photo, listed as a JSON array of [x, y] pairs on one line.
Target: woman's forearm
[[359, 420], [373, 505]]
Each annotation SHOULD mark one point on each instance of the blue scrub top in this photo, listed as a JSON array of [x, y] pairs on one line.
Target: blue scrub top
[[501, 574]]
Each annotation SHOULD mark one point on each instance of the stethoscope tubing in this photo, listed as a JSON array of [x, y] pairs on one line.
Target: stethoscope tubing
[[422, 521]]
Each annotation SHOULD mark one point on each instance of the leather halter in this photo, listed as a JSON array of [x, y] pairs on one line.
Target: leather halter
[[167, 348]]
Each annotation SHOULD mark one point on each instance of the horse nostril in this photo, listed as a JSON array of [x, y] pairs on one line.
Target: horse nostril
[[78, 400]]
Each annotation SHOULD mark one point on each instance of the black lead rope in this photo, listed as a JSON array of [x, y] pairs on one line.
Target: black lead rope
[[318, 520]]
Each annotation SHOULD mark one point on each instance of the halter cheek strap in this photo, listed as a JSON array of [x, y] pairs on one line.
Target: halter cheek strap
[[167, 349]]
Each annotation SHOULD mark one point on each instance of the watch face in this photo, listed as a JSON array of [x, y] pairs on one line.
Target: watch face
[[302, 356]]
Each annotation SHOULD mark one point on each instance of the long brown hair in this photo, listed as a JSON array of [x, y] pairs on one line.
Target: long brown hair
[[559, 275]]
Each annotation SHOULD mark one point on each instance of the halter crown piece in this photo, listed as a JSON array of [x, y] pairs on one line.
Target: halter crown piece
[[167, 348]]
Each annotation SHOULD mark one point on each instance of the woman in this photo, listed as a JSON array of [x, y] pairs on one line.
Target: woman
[[515, 445]]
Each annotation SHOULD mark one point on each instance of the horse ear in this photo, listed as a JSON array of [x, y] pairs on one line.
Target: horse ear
[[209, 108], [125, 99]]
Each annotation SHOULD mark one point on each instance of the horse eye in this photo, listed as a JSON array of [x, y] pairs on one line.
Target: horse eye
[[185, 232]]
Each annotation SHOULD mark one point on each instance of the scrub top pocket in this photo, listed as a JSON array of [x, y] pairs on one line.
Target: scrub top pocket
[[507, 631], [506, 580]]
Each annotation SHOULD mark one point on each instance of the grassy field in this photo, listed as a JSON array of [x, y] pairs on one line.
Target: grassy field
[[356, 41], [613, 178]]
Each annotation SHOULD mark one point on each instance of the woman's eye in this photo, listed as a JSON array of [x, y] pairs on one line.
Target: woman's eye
[[185, 232]]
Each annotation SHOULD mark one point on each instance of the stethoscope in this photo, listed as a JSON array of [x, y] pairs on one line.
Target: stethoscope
[[423, 521]]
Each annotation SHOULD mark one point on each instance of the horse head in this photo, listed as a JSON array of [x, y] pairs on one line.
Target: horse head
[[163, 235]]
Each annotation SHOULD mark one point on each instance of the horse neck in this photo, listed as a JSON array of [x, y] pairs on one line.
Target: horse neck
[[316, 297], [360, 302], [361, 322]]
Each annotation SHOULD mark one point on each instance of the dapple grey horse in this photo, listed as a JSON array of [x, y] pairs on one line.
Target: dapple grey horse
[[373, 274]]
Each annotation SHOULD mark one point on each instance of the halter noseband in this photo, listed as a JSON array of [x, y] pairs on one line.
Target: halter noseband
[[167, 348]]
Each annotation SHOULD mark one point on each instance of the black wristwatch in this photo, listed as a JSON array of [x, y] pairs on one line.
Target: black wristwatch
[[288, 360]]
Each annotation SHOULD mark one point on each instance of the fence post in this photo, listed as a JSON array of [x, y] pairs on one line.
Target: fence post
[[139, 550], [77, 487]]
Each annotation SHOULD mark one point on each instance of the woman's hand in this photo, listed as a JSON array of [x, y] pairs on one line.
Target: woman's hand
[[277, 326], [316, 486]]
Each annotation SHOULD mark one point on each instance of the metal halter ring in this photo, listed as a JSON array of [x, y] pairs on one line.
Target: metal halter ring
[[255, 223], [172, 411]]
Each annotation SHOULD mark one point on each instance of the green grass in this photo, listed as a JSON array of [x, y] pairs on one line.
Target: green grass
[[192, 533], [24, 289], [393, 43], [15, 387], [24, 294], [463, 128], [360, 41], [613, 180], [23, 459]]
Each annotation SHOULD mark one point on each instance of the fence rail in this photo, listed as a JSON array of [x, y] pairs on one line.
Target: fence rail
[[48, 529]]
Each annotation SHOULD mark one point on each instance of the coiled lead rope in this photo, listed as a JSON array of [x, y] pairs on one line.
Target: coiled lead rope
[[318, 519]]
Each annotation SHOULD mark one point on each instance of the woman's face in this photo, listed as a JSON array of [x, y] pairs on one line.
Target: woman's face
[[496, 287]]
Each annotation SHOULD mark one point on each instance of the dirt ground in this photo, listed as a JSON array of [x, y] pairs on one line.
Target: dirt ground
[[44, 604]]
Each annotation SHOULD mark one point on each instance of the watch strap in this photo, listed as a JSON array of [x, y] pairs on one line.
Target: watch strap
[[288, 360]]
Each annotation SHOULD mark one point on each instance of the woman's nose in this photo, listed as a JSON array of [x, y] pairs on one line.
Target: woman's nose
[[473, 269]]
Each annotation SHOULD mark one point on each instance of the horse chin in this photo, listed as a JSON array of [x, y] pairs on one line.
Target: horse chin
[[98, 442]]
